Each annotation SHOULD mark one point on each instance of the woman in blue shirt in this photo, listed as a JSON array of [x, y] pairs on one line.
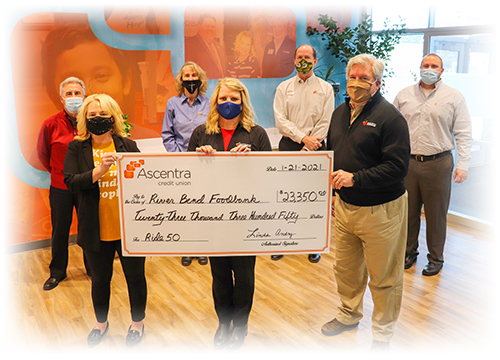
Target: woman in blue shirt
[[184, 112]]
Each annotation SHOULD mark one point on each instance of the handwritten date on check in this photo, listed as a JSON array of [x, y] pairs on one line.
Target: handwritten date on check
[[190, 204]]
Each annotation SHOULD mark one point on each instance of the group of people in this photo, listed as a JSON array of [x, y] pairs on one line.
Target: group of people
[[205, 50], [86, 164], [389, 161]]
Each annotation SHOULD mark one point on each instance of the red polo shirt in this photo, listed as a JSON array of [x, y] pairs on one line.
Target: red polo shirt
[[55, 134]]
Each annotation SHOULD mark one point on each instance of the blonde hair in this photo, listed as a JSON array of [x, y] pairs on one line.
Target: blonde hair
[[202, 75], [109, 105], [247, 115], [239, 39]]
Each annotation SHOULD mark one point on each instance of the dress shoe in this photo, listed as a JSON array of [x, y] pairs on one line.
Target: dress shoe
[[203, 260], [314, 258], [95, 337], [410, 260], [276, 257], [222, 335], [432, 269], [238, 337], [52, 282], [335, 327], [186, 260], [134, 337]]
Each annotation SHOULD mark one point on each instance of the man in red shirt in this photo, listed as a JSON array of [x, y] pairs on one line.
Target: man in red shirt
[[55, 134]]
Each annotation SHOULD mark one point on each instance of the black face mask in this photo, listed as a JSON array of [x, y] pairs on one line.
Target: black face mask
[[99, 125], [191, 85]]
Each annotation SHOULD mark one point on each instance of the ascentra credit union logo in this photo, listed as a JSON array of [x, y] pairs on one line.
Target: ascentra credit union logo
[[129, 171], [136, 169]]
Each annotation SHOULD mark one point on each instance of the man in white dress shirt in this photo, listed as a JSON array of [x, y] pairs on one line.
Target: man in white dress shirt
[[303, 107], [437, 118]]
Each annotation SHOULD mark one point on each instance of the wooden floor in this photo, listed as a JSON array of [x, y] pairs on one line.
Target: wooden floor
[[451, 312]]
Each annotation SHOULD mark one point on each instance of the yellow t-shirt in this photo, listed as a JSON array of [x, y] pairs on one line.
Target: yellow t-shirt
[[109, 213]]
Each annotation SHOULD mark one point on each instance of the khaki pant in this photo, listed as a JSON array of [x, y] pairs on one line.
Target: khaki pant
[[370, 242]]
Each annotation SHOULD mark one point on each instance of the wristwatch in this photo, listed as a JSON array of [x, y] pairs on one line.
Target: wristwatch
[[353, 180]]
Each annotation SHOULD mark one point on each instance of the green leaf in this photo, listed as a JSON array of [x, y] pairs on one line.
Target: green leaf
[[358, 40], [126, 125]]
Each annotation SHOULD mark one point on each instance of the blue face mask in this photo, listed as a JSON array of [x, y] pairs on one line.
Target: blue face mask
[[73, 104], [229, 110], [429, 76]]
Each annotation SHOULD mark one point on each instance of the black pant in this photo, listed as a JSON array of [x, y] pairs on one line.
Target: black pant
[[101, 264], [429, 184], [61, 213], [287, 144], [233, 298]]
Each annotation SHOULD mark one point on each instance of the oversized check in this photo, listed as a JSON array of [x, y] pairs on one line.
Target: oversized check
[[256, 203]]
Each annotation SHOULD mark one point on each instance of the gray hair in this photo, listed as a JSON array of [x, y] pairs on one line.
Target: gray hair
[[71, 80], [367, 59]]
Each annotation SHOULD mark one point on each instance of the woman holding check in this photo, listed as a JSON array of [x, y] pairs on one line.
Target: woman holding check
[[90, 172], [230, 127]]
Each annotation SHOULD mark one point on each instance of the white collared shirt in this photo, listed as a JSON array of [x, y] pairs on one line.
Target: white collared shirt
[[437, 121], [303, 107]]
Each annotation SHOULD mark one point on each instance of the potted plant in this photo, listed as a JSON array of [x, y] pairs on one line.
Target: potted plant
[[361, 39]]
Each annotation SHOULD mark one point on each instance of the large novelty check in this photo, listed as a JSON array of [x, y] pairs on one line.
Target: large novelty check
[[190, 204]]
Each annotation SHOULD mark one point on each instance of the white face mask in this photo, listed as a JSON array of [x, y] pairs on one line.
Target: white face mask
[[429, 76], [73, 104]]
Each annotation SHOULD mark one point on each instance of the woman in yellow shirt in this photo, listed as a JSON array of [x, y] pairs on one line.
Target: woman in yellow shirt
[[90, 172]]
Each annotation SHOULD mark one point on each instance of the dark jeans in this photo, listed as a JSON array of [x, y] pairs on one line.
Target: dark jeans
[[233, 298], [61, 213], [101, 264]]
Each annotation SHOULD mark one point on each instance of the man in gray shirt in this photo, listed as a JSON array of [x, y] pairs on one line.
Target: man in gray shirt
[[438, 118]]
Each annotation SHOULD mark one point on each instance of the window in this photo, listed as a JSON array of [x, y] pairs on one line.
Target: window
[[460, 35], [468, 68], [405, 65], [447, 15], [415, 16]]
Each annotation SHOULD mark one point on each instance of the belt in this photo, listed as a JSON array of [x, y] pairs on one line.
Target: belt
[[429, 157]]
